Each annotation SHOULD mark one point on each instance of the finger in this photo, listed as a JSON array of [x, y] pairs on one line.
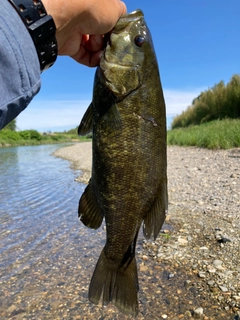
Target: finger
[[123, 7], [89, 59], [93, 43]]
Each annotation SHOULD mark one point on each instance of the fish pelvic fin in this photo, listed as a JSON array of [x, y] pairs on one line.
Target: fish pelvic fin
[[88, 209], [86, 124], [115, 284], [155, 218]]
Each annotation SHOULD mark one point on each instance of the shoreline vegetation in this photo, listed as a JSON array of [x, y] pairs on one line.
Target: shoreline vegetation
[[217, 134], [213, 119], [10, 138]]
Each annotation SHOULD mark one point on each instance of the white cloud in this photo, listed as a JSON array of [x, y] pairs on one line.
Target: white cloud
[[178, 100], [54, 115]]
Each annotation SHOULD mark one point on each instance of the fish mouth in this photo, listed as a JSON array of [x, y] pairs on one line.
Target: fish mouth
[[124, 22], [127, 19]]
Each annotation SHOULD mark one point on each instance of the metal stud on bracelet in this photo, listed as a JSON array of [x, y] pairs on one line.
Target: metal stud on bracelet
[[42, 29]]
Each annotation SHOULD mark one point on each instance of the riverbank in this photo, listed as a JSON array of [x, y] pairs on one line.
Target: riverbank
[[9, 138], [196, 257]]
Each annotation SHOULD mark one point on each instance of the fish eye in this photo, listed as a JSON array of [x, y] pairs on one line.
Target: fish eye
[[139, 40]]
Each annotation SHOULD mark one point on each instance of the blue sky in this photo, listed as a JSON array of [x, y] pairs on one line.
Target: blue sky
[[197, 43]]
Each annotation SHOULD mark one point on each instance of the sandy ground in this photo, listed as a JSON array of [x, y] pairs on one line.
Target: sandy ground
[[80, 157]]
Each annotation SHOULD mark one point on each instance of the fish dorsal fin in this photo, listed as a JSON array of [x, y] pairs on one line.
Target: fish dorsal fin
[[154, 219], [88, 209], [86, 124]]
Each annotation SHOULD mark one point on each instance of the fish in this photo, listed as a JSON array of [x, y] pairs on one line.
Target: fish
[[128, 185]]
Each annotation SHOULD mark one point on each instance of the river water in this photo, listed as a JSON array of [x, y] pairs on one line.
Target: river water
[[37, 197], [39, 230]]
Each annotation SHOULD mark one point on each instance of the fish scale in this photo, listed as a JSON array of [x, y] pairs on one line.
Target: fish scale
[[129, 182]]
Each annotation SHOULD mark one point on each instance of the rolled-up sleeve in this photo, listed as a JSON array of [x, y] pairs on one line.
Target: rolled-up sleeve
[[19, 65]]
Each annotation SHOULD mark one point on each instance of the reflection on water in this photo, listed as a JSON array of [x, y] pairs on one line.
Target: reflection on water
[[37, 195]]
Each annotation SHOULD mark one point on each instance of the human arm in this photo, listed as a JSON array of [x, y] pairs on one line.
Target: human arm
[[19, 66], [80, 26]]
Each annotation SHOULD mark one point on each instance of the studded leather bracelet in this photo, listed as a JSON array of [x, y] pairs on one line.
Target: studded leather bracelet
[[41, 27]]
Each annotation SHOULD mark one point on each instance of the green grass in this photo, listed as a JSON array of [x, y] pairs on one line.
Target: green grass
[[33, 137], [217, 134]]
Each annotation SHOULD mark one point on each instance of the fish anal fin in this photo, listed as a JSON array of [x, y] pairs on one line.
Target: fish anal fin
[[86, 124], [155, 218], [115, 284], [88, 210]]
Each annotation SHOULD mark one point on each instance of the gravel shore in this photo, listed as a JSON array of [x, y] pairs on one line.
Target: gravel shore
[[197, 254]]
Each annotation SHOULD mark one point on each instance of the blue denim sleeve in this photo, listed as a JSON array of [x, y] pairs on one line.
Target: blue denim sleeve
[[19, 66]]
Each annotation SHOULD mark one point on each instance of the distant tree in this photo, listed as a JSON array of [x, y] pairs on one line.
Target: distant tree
[[219, 102], [11, 126]]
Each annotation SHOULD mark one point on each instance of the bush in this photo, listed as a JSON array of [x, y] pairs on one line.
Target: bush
[[25, 135], [7, 134], [35, 135], [219, 102]]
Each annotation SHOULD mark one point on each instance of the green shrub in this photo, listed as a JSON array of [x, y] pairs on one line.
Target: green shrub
[[25, 135], [7, 134], [218, 102], [35, 135]]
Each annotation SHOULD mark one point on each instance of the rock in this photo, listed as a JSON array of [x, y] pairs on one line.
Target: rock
[[188, 314], [201, 274], [198, 313], [182, 241], [143, 268], [224, 289], [217, 263]]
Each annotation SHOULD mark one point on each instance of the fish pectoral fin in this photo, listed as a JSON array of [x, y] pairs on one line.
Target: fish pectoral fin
[[88, 210], [111, 120], [154, 219], [86, 124]]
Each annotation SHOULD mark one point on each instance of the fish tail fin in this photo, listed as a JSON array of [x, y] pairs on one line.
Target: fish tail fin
[[115, 284]]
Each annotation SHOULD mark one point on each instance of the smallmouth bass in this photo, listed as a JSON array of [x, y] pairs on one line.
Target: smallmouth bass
[[129, 181]]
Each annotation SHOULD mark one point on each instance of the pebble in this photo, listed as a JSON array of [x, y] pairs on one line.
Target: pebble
[[217, 263], [198, 313], [224, 289], [182, 241], [202, 274]]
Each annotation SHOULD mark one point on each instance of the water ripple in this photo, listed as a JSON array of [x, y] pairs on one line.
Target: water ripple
[[38, 200]]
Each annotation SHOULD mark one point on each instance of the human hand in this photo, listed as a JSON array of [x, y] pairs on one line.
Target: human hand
[[81, 25]]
